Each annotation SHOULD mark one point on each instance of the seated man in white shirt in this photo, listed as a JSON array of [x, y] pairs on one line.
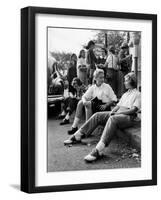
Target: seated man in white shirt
[[123, 115], [100, 90]]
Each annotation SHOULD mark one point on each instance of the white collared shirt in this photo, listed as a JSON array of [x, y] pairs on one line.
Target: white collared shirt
[[112, 62], [130, 99], [103, 92]]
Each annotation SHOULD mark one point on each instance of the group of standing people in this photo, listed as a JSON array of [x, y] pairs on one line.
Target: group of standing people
[[115, 66]]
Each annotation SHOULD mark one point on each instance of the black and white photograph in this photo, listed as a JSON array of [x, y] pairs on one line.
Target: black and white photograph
[[93, 99], [89, 90]]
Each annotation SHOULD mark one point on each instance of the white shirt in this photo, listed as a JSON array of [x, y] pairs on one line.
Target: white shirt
[[130, 99], [81, 61], [104, 93], [112, 62], [66, 93]]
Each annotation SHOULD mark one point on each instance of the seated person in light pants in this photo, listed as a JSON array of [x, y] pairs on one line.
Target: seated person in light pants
[[123, 115], [102, 91]]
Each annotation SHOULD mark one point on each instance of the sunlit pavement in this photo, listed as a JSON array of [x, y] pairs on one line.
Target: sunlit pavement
[[68, 158]]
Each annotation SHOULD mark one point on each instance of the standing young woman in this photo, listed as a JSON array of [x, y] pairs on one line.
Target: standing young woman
[[72, 71], [91, 60], [82, 67], [125, 60]]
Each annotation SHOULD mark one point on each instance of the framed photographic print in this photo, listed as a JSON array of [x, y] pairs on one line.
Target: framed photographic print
[[88, 99]]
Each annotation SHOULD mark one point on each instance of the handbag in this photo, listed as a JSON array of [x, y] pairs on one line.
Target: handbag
[[95, 103]]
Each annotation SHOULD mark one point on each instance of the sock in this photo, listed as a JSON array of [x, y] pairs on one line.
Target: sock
[[75, 123], [67, 116], [63, 112], [78, 135], [100, 146]]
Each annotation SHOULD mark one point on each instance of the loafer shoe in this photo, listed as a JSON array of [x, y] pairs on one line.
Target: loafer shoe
[[71, 140], [93, 156], [72, 131], [65, 121]]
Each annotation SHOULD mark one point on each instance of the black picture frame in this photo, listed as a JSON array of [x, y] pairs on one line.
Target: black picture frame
[[28, 98]]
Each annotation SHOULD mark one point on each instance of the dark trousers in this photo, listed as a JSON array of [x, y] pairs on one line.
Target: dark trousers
[[70, 104], [90, 75], [111, 79]]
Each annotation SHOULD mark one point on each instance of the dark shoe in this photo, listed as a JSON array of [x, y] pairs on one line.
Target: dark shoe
[[65, 121], [93, 156], [72, 131], [71, 140], [61, 116]]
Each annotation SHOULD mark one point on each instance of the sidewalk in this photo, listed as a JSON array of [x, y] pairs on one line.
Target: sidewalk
[[68, 158]]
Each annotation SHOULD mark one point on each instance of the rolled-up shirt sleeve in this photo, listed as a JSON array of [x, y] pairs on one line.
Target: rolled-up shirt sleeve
[[112, 94], [88, 94], [137, 102], [119, 103]]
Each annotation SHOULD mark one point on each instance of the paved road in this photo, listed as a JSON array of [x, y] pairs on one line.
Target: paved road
[[64, 158]]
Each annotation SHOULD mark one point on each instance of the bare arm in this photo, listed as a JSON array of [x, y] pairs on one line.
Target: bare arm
[[87, 96], [131, 111], [115, 109], [124, 59]]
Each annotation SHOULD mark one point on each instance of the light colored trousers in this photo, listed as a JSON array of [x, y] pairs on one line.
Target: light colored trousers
[[79, 110], [110, 123]]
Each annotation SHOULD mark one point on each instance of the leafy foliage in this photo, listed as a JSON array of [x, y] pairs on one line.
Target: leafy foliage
[[114, 38], [62, 59], [61, 56]]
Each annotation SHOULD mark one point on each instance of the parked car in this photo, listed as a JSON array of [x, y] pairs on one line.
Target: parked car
[[55, 86]]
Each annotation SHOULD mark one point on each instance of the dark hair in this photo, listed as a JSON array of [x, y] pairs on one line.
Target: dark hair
[[79, 82], [112, 49], [90, 43], [73, 55], [124, 45], [133, 83], [80, 56]]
